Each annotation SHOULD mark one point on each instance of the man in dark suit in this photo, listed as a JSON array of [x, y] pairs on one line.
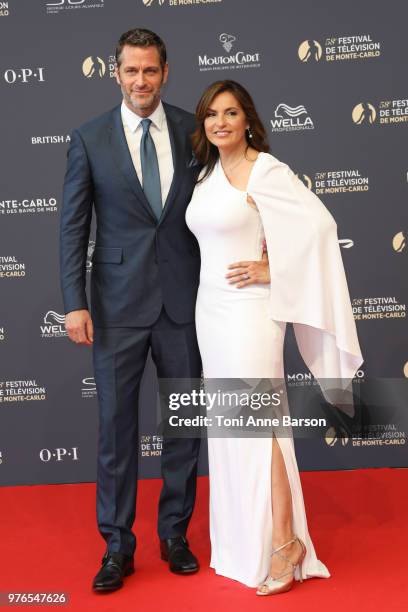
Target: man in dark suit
[[134, 166]]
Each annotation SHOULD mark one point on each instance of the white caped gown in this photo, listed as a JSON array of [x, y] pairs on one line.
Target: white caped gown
[[241, 332]]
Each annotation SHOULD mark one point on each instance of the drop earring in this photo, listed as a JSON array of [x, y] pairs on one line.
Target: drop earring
[[250, 135]]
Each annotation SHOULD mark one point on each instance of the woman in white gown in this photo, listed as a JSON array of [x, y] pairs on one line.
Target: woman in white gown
[[258, 526]]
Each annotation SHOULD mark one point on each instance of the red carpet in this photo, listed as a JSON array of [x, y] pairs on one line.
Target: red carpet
[[357, 519]]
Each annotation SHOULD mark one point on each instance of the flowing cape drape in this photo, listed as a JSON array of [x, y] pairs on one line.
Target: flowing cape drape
[[308, 282]]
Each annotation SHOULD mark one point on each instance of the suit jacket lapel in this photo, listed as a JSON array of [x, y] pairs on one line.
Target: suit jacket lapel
[[121, 153]]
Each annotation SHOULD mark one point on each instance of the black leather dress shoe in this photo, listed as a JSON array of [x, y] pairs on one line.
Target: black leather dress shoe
[[177, 553], [115, 566]]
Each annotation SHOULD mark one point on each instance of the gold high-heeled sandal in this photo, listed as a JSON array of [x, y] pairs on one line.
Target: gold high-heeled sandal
[[274, 585]]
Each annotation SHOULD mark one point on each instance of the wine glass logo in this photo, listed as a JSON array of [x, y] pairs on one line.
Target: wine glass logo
[[227, 41]]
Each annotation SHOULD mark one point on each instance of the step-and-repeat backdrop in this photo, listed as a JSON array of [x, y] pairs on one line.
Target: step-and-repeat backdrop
[[328, 80]]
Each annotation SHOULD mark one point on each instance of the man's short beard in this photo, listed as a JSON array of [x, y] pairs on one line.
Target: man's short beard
[[140, 105]]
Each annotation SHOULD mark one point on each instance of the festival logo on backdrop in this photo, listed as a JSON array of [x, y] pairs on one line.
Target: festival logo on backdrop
[[11, 267], [336, 181], [387, 112], [399, 242], [95, 67], [339, 48], [334, 436], [306, 180], [341, 181], [21, 391], [310, 51], [2, 334], [364, 113], [382, 435], [379, 307], [151, 446]]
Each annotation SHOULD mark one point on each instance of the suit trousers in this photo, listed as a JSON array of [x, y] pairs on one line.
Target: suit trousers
[[120, 355]]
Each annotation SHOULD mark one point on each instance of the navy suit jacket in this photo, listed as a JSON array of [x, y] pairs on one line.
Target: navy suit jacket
[[139, 263]]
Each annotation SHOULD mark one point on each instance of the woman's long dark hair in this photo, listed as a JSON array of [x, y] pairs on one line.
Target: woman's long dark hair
[[205, 152]]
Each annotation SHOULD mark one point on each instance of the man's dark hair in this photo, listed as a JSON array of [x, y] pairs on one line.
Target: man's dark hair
[[140, 37]]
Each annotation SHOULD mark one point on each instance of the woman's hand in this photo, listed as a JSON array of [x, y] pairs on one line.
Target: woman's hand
[[246, 273]]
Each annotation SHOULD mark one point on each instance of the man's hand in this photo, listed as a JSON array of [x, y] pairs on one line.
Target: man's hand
[[78, 324]]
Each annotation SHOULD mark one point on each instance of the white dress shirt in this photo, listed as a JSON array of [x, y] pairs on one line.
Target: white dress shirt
[[160, 134]]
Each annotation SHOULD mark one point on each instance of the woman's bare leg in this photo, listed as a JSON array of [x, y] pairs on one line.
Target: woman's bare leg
[[282, 516]]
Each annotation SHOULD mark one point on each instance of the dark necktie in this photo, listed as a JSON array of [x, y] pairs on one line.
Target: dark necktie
[[150, 170]]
